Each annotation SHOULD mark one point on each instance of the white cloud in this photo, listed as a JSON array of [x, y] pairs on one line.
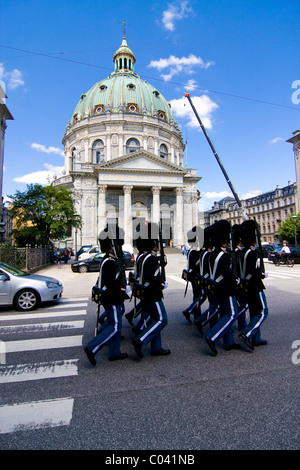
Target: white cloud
[[216, 196], [41, 177], [44, 149], [191, 85], [204, 106], [176, 11], [253, 193], [13, 79], [276, 140], [175, 65]]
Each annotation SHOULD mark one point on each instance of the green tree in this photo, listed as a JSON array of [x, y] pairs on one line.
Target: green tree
[[42, 214], [286, 230]]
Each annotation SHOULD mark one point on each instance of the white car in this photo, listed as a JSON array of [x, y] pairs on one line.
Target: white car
[[89, 253], [26, 291]]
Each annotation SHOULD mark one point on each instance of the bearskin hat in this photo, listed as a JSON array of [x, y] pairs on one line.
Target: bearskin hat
[[220, 232], [247, 232], [110, 233], [207, 242], [235, 235], [149, 237]]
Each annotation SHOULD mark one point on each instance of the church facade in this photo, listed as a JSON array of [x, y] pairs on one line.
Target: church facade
[[124, 159]]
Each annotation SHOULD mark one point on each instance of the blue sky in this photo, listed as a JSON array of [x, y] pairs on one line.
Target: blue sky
[[238, 59]]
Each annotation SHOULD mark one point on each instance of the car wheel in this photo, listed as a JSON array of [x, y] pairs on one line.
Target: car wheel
[[27, 299], [83, 269]]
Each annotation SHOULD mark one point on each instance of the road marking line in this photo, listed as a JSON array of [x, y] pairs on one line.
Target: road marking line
[[43, 343], [34, 316], [38, 371], [36, 415], [178, 279], [57, 307], [31, 327]]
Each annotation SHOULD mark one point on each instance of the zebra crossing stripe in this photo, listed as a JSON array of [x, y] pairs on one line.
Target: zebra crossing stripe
[[43, 343], [36, 415], [41, 327], [38, 371], [36, 316], [178, 279]]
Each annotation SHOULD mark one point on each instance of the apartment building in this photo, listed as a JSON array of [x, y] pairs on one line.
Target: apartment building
[[268, 209]]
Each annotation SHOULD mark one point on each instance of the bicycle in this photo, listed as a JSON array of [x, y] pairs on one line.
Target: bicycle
[[284, 260]]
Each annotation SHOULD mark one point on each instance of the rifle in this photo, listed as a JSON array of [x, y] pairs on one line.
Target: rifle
[[162, 256], [261, 260], [243, 213]]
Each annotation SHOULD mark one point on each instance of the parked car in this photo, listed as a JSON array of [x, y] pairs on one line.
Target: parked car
[[94, 249], [26, 291], [266, 249], [295, 254], [82, 249], [93, 264]]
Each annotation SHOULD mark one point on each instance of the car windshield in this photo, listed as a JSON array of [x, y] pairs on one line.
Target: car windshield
[[12, 270]]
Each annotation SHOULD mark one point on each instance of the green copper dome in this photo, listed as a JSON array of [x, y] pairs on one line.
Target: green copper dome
[[123, 91]]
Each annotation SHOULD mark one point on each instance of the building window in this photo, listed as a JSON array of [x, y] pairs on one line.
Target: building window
[[99, 108], [131, 86], [102, 87], [132, 108], [163, 151], [132, 145], [98, 151], [162, 115]]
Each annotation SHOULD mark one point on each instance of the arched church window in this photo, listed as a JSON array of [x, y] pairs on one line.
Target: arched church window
[[131, 86], [163, 151], [132, 145], [98, 151], [102, 87]]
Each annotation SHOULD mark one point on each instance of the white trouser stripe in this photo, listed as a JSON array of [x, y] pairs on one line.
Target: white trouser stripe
[[229, 321]]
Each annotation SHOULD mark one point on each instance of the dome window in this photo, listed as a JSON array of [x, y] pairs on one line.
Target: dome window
[[163, 151], [132, 145], [131, 86], [156, 93], [162, 115], [102, 87], [132, 108], [75, 118], [99, 108], [82, 97]]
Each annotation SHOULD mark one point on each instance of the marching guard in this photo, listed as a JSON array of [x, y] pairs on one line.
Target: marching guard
[[111, 293], [223, 282], [150, 291], [251, 277]]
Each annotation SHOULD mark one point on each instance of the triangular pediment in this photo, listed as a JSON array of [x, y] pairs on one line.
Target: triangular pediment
[[141, 161]]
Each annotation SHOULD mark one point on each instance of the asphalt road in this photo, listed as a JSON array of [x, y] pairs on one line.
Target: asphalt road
[[187, 401]]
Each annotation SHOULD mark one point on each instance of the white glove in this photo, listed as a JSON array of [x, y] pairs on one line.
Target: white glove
[[165, 285], [127, 290]]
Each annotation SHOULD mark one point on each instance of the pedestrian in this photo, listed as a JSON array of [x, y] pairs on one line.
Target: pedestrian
[[223, 281], [112, 291], [252, 275], [66, 255], [58, 258], [153, 309]]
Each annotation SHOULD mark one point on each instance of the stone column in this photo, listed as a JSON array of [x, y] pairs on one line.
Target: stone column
[[179, 217], [156, 204], [194, 202], [127, 215], [101, 207]]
